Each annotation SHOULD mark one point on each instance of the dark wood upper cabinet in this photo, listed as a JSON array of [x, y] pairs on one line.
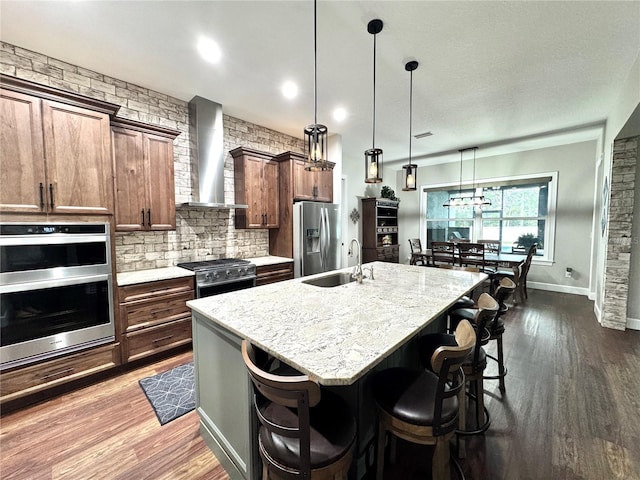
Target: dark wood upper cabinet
[[144, 179], [56, 149], [296, 184], [256, 185]]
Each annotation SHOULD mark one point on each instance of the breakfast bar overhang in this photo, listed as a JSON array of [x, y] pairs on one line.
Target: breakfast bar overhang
[[336, 335]]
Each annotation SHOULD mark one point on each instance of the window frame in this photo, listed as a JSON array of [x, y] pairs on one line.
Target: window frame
[[550, 220]]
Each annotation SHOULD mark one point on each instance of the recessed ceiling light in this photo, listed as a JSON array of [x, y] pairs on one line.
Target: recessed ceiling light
[[339, 114], [289, 89], [209, 50]]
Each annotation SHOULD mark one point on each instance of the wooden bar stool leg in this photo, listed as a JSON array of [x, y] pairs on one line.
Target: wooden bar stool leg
[[440, 469], [501, 370], [380, 460], [462, 423]]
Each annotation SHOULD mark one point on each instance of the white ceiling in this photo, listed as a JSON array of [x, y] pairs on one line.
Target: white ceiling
[[490, 72]]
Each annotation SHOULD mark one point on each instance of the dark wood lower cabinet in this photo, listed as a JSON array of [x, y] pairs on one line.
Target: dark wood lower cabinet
[[274, 273], [24, 381]]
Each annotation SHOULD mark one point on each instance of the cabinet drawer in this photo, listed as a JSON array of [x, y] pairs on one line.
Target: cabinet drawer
[[274, 273], [34, 378], [157, 339], [155, 310], [142, 291]]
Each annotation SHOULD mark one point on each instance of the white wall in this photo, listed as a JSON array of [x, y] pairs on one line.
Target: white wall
[[575, 164]]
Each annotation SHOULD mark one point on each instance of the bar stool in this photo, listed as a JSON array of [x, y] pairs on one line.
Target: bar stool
[[301, 435], [505, 289], [421, 406], [474, 365]]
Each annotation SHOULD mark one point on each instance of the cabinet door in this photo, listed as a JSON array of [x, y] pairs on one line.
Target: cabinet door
[[78, 159], [161, 198], [22, 167], [129, 180], [271, 198], [253, 192], [324, 186], [303, 182]]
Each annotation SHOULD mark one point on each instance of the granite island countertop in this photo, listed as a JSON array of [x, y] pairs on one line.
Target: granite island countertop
[[338, 334]]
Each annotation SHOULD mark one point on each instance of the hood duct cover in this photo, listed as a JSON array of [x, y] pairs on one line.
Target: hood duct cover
[[206, 134]]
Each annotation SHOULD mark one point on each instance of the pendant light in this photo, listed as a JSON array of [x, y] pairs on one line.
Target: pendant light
[[373, 156], [474, 200], [410, 171], [315, 135]]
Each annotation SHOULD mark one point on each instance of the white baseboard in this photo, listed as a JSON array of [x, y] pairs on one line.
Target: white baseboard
[[597, 311], [633, 323], [552, 287]]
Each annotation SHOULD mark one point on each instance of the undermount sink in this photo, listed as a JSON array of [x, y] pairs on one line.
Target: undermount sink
[[331, 280]]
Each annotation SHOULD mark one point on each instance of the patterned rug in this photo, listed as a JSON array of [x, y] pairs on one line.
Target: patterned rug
[[171, 393]]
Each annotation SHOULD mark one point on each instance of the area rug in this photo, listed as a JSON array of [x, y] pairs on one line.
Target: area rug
[[171, 393]]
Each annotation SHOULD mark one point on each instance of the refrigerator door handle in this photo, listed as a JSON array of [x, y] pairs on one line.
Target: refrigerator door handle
[[327, 236], [322, 246]]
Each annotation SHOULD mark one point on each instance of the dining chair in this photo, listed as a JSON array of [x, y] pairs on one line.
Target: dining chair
[[417, 255], [443, 253], [305, 431], [491, 246]]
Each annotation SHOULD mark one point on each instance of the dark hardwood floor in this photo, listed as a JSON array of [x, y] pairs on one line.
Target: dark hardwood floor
[[571, 411]]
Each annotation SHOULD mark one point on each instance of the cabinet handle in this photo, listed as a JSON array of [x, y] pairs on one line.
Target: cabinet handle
[[41, 196], [157, 340], [315, 191], [142, 217], [57, 374], [51, 194], [149, 216]]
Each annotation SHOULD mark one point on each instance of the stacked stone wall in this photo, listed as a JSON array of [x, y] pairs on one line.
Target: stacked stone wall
[[620, 224]]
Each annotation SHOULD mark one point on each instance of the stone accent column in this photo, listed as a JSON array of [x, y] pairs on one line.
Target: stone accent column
[[620, 222]]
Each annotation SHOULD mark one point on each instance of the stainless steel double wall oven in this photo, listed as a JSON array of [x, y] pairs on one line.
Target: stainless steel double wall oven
[[56, 290]]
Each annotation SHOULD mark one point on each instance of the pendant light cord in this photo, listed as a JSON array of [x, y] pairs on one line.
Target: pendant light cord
[[460, 184], [410, 111], [315, 72], [474, 171], [374, 91]]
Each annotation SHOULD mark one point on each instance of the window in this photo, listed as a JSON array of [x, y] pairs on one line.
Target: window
[[520, 214]]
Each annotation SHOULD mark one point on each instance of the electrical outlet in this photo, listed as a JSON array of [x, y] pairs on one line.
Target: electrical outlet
[[568, 272]]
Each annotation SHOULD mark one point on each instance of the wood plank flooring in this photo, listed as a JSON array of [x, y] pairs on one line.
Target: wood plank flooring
[[571, 411]]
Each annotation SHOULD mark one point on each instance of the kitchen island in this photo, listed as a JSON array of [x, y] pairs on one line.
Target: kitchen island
[[336, 335]]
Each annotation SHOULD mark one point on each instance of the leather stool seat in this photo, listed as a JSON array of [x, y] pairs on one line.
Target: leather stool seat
[[410, 395], [333, 430]]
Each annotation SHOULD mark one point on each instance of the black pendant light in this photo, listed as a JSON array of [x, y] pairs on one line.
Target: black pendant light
[[315, 135], [373, 156], [410, 171]]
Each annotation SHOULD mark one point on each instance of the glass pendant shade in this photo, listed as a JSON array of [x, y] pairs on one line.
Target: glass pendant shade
[[315, 137], [410, 176], [373, 165]]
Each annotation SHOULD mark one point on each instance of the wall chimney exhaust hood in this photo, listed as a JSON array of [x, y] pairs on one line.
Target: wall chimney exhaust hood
[[206, 136]]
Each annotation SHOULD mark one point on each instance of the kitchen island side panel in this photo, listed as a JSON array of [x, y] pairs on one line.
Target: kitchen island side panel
[[224, 399]]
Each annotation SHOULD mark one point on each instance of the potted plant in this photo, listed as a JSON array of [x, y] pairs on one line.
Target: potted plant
[[388, 193]]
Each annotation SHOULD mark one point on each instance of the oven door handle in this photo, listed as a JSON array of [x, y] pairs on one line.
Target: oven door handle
[[41, 285], [235, 280]]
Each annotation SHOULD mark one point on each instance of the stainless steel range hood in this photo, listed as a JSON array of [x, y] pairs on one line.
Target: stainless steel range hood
[[206, 135]]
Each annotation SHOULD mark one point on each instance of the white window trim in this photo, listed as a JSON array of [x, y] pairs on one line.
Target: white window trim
[[550, 231]]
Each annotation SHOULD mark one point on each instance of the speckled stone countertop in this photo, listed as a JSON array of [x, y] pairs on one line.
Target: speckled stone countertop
[[269, 260], [338, 334], [152, 275]]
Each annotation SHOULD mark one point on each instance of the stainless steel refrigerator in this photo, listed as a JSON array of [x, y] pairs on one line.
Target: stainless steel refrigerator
[[317, 238]]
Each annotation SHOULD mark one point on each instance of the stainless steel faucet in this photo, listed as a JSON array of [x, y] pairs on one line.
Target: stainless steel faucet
[[357, 270]]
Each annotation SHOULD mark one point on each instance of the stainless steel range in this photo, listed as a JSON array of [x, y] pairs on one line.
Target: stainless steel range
[[221, 276]]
